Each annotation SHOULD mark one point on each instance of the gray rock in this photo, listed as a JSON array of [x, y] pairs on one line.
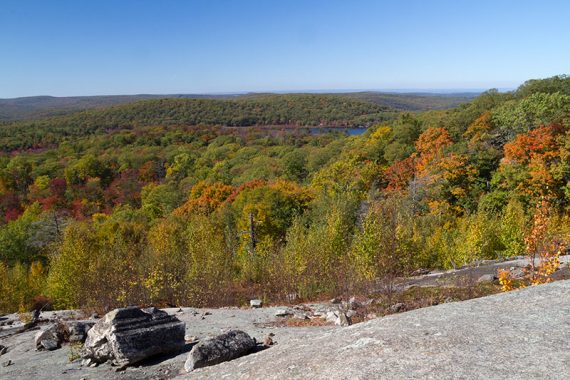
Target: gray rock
[[486, 278], [302, 316], [353, 304], [331, 316], [255, 304], [228, 346], [343, 320], [268, 340], [397, 308], [78, 330], [517, 272], [338, 317], [449, 341], [129, 335], [283, 313], [48, 339], [190, 338]]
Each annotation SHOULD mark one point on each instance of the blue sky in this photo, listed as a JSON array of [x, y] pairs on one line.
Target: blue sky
[[80, 47]]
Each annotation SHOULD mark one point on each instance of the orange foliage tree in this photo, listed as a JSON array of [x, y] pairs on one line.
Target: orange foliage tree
[[444, 177], [531, 160], [205, 197]]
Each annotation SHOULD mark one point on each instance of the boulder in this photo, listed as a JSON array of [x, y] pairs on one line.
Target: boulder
[[129, 335], [49, 338], [228, 346], [77, 330]]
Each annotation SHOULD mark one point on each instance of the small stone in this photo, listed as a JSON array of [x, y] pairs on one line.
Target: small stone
[[336, 300], [397, 308], [353, 304], [420, 272], [517, 272], [343, 320], [7, 363], [283, 313], [3, 350], [350, 313], [371, 316], [268, 340], [190, 338], [255, 304], [331, 316], [486, 278]]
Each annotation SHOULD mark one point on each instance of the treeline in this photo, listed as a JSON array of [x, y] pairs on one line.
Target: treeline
[[210, 216], [293, 110], [44, 106]]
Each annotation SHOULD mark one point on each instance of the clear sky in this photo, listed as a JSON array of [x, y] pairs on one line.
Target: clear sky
[[90, 47]]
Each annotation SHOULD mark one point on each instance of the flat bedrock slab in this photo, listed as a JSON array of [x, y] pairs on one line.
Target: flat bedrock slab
[[523, 334]]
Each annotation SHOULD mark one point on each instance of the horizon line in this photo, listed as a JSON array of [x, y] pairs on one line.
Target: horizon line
[[395, 91]]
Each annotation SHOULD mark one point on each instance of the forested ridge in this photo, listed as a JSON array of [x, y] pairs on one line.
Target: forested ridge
[[156, 203], [292, 110], [35, 107]]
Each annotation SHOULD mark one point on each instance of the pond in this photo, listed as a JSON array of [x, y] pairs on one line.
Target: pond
[[351, 131]]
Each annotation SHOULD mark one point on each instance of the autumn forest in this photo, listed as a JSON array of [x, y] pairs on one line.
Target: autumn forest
[[209, 202]]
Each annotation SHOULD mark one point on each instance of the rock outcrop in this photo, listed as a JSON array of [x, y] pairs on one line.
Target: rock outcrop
[[222, 348], [129, 335], [520, 335]]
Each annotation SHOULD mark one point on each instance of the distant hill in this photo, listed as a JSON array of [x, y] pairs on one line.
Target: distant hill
[[250, 110], [415, 101], [35, 107]]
